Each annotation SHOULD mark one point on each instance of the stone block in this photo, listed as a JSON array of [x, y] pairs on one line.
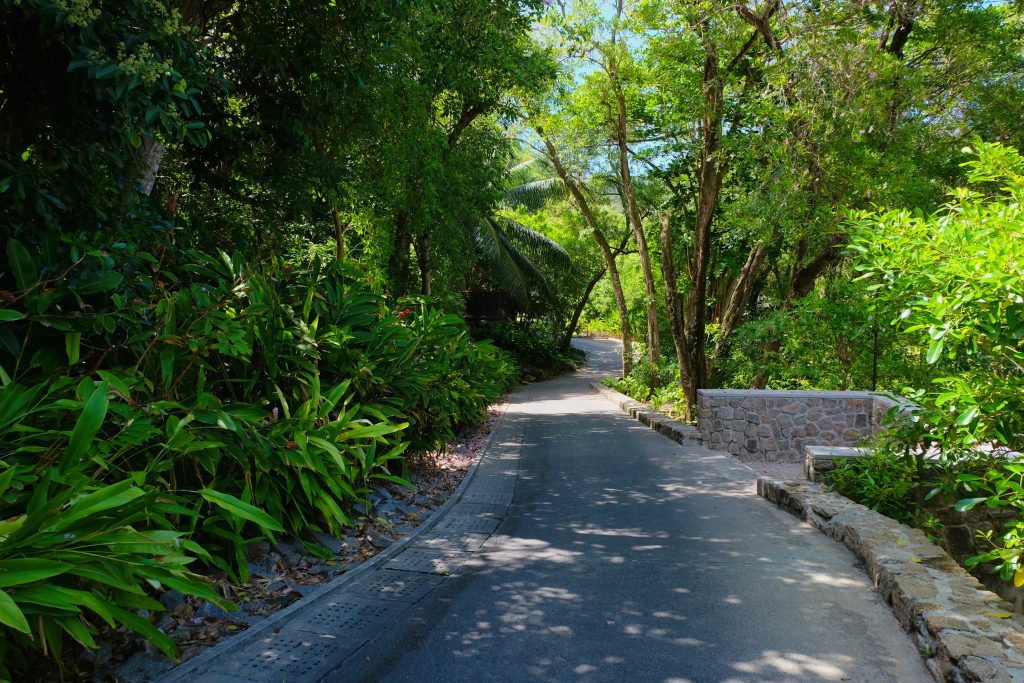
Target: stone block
[[959, 644], [937, 622], [978, 670], [725, 413], [751, 445]]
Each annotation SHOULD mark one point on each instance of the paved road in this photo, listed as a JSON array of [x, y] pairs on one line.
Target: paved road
[[626, 557]]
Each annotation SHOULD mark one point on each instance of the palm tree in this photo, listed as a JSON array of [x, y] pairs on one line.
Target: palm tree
[[512, 250]]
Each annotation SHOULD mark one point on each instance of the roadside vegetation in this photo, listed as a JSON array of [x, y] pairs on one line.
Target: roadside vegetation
[[255, 255]]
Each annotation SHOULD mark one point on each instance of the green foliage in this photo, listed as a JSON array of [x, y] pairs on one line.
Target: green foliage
[[85, 535], [997, 484], [668, 398], [835, 338], [957, 280], [253, 400], [537, 352], [886, 483]]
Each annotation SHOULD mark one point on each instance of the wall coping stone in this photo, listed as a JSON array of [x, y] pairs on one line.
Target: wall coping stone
[[821, 459], [968, 632]]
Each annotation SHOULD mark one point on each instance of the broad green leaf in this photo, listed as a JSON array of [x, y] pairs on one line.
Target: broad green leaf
[[143, 627], [86, 427], [11, 616], [108, 497], [371, 431], [968, 503], [73, 346], [115, 382], [22, 266], [100, 282], [18, 572], [241, 509], [77, 630], [9, 314]]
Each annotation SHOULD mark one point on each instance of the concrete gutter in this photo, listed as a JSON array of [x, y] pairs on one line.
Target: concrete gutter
[[967, 632]]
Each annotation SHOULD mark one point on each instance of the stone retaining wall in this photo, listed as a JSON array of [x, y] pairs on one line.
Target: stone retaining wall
[[774, 426]]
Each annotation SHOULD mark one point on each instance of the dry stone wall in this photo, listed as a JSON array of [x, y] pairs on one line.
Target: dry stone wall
[[774, 426]]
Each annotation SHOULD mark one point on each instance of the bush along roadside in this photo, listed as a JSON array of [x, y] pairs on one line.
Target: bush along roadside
[[538, 352], [956, 278], [254, 401]]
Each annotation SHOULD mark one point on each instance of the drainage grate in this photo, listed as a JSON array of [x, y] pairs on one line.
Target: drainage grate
[[341, 615], [288, 656], [395, 585], [475, 508], [468, 524], [427, 561], [493, 485], [453, 541], [486, 498]]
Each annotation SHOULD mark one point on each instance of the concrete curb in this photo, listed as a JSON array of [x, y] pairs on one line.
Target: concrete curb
[[203, 662], [966, 631], [679, 432]]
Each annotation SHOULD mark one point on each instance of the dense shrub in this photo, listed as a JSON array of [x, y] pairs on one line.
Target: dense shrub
[[538, 352], [957, 280], [234, 402]]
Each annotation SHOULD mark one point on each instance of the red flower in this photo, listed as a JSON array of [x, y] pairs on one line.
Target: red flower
[[404, 313]]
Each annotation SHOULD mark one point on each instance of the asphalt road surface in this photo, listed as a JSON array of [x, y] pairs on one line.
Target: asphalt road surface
[[626, 557]]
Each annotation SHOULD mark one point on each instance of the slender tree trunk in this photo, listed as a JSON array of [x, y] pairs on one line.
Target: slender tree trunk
[[339, 228], [339, 235], [423, 256], [739, 295], [621, 133], [673, 304], [578, 311], [398, 264], [606, 251], [152, 152]]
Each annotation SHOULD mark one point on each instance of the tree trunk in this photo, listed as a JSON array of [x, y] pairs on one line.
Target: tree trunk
[[653, 326], [606, 251], [152, 153], [712, 168], [578, 311], [339, 235], [398, 264], [739, 295], [673, 304], [423, 256]]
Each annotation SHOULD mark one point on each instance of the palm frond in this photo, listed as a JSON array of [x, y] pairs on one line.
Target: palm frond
[[509, 268], [533, 195], [539, 245]]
